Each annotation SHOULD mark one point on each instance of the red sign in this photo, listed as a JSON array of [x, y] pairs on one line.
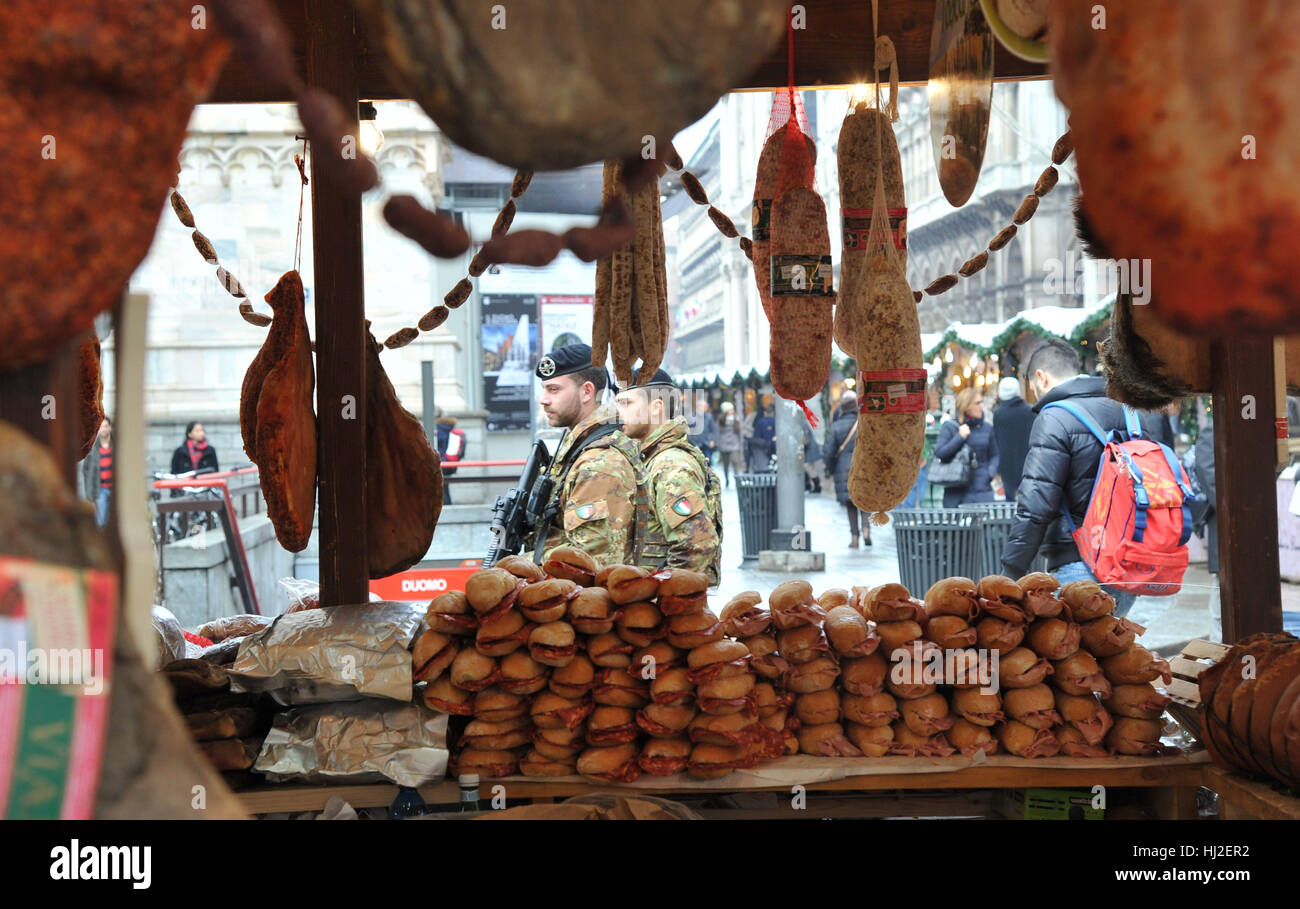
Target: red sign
[[424, 583]]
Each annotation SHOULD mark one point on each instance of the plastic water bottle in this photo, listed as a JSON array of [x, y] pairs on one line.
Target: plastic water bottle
[[468, 792]]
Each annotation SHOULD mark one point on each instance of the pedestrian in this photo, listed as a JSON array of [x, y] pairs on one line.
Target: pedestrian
[[1205, 473], [451, 448], [729, 441], [763, 442], [683, 508], [812, 461], [704, 431], [838, 454], [969, 435], [194, 453], [97, 471], [596, 469], [1012, 420], [1060, 468]]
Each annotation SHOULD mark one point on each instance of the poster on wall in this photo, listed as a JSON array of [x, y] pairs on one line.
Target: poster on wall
[[510, 352], [565, 320]]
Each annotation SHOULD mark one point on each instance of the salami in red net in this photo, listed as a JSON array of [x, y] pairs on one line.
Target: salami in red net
[[803, 297]]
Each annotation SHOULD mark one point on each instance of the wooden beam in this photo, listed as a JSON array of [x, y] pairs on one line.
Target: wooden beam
[[1244, 451], [835, 49], [340, 322], [43, 401]]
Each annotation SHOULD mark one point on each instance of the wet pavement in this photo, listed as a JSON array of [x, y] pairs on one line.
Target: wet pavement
[[1170, 621]]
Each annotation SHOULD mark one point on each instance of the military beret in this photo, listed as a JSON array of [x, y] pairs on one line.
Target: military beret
[[660, 379], [564, 360]]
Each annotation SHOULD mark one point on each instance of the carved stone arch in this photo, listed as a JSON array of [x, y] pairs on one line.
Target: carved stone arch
[[243, 156], [195, 158]]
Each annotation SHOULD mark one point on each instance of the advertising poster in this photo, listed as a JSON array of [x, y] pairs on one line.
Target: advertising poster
[[565, 320], [510, 352]]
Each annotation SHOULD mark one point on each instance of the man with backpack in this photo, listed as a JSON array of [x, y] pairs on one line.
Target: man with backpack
[[1057, 488], [683, 518]]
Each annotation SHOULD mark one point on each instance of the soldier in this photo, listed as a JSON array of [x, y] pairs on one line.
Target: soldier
[[684, 523], [596, 470]]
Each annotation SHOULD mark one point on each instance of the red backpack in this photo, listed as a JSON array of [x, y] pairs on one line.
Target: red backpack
[[1134, 536]]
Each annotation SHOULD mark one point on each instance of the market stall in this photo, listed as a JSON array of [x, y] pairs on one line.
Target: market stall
[[807, 650]]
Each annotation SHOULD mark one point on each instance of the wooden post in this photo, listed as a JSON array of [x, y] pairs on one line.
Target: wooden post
[[1244, 451], [332, 51]]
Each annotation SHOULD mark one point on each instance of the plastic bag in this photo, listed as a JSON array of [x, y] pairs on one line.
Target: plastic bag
[[305, 594]]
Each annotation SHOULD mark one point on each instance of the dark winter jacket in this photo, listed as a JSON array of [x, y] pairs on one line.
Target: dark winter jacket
[[838, 462], [1011, 424], [1061, 464], [984, 446], [183, 463]]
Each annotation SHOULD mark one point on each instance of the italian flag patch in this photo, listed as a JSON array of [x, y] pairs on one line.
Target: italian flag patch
[[683, 506]]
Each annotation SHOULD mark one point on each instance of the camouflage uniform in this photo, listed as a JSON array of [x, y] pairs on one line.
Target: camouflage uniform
[[684, 525], [598, 498]]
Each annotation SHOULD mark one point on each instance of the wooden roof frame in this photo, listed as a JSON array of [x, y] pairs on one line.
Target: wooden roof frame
[[334, 53]]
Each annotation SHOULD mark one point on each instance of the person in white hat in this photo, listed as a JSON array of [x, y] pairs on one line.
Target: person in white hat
[[1012, 420]]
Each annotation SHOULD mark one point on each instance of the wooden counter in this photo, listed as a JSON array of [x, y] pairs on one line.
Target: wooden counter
[[1182, 775]]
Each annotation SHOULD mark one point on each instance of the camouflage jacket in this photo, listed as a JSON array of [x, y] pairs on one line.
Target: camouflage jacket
[[684, 523], [598, 496]]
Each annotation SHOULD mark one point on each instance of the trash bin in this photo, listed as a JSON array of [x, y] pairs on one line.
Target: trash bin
[[999, 518], [995, 530], [756, 495], [936, 543]]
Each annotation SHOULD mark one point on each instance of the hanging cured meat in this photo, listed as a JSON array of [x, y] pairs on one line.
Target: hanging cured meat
[[630, 315], [276, 416], [90, 392], [403, 477], [554, 85], [1190, 172], [94, 99], [865, 133]]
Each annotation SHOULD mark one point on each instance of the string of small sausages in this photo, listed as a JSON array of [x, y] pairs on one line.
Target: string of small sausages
[[479, 264], [1046, 181], [209, 254], [695, 190]]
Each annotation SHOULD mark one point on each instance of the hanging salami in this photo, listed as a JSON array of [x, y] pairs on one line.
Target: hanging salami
[[803, 298]]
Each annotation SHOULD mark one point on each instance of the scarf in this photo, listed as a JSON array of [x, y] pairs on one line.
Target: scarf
[[196, 451]]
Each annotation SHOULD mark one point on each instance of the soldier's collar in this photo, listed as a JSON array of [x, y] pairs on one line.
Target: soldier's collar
[[670, 431]]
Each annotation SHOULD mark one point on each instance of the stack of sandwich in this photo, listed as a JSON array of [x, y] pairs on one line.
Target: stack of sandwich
[[615, 672], [1025, 667], [606, 672]]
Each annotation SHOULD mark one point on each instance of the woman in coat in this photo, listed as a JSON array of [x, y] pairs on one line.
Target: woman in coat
[[729, 441], [972, 432], [838, 455], [194, 453]]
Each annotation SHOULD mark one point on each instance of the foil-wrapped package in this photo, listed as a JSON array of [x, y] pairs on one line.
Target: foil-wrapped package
[[337, 654], [365, 741]]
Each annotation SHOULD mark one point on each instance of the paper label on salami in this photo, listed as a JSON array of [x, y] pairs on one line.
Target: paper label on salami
[[1282, 430], [801, 276], [761, 220], [857, 227], [892, 391]]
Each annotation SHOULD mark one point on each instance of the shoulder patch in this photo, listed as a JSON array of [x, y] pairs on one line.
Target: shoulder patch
[[684, 507]]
